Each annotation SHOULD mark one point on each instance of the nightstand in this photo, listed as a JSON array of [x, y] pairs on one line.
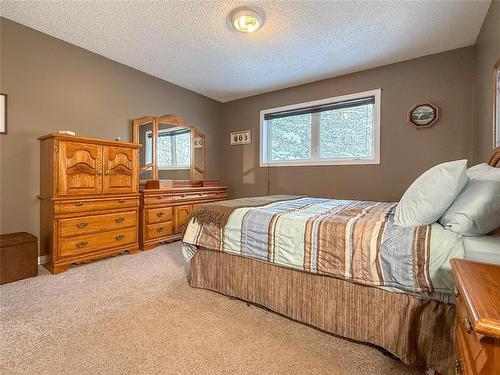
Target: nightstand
[[477, 294]]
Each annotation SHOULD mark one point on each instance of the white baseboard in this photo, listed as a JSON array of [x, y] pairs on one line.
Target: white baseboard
[[43, 259]]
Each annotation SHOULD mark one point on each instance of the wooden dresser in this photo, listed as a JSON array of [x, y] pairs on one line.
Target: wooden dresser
[[89, 199], [164, 212], [478, 317]]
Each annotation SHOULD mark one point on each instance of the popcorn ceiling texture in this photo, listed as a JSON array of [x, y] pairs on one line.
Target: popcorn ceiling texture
[[193, 45], [137, 315]]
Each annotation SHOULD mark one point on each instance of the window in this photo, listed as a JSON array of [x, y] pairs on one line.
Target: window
[[341, 130], [174, 149]]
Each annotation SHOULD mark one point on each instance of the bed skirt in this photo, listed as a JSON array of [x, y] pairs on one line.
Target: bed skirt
[[418, 332]]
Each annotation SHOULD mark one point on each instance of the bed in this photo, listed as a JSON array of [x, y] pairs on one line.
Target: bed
[[403, 305]]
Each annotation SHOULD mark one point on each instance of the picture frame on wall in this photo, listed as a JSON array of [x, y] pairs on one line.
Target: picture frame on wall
[[3, 113], [496, 105], [423, 115]]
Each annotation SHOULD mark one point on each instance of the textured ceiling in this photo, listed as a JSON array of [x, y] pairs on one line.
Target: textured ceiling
[[193, 45]]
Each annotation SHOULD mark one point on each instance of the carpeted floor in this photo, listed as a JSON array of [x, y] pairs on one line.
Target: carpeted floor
[[138, 315]]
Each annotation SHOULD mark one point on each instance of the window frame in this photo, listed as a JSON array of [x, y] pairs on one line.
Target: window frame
[[265, 134]]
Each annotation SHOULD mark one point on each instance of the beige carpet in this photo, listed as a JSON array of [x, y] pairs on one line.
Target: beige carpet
[[137, 315]]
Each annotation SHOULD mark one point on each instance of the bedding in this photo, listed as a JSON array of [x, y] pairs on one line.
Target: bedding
[[482, 249], [430, 195], [476, 211], [353, 240]]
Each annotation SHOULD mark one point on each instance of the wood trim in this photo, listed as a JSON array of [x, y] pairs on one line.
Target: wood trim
[[494, 160], [497, 66]]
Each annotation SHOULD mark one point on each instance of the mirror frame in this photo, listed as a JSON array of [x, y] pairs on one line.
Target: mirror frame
[[173, 120]]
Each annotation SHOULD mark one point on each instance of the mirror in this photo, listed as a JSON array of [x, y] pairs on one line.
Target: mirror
[[174, 152], [171, 149]]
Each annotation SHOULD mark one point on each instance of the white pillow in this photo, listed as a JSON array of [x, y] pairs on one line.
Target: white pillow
[[476, 210], [430, 195]]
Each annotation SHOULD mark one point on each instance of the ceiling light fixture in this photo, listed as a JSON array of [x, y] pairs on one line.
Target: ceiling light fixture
[[246, 20]]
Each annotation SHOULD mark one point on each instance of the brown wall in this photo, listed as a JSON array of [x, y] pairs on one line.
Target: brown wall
[[54, 85], [444, 79], [487, 55]]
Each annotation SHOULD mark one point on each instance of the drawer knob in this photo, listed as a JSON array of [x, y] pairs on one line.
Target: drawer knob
[[121, 201], [120, 237], [107, 172], [81, 244], [79, 203], [160, 197], [201, 194], [99, 172], [120, 219], [160, 214], [160, 229], [467, 325], [82, 225], [184, 195]]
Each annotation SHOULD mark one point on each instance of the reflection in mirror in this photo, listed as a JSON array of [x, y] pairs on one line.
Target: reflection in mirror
[[146, 153], [198, 156], [174, 152]]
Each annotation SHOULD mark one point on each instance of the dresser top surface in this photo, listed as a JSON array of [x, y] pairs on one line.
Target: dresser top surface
[[77, 138], [479, 283]]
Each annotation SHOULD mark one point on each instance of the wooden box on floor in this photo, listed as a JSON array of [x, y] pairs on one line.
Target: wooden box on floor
[[18, 257], [89, 199]]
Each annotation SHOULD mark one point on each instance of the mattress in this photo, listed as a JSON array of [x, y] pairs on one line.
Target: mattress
[[484, 249]]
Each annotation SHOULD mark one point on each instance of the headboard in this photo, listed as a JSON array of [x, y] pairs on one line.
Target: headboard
[[495, 162], [495, 158]]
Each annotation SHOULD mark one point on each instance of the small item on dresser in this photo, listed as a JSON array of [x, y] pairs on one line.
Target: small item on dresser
[[211, 183], [477, 331], [67, 132], [18, 257]]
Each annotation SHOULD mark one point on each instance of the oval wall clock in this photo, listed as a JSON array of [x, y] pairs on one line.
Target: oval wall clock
[[423, 115]]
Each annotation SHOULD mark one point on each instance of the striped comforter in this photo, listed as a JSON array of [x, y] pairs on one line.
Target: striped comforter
[[353, 240]]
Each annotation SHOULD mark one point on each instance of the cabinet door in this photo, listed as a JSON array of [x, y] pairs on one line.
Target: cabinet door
[[80, 168], [120, 173], [181, 215]]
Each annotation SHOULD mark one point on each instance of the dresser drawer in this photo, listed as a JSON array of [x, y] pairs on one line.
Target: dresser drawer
[[198, 196], [97, 241], [96, 223], [159, 215], [159, 230], [83, 205], [468, 340], [156, 199]]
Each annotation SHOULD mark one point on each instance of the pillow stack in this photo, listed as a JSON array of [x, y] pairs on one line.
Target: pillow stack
[[464, 201], [476, 211], [430, 195]]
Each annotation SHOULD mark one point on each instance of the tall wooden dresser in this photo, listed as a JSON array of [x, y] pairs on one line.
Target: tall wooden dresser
[[89, 199]]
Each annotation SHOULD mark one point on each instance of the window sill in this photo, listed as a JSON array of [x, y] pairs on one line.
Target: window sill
[[304, 163]]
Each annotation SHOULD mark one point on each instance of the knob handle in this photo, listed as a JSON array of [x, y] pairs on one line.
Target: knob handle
[[107, 172], [121, 201], [81, 244], [467, 324], [81, 225], [120, 219], [160, 214], [160, 229], [99, 172], [120, 237], [79, 203]]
